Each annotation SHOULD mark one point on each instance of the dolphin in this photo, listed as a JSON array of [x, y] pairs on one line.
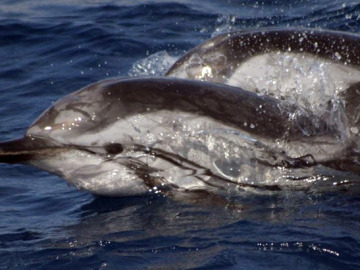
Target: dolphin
[[230, 57], [122, 137]]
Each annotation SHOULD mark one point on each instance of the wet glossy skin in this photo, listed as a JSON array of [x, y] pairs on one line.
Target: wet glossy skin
[[101, 104], [224, 53]]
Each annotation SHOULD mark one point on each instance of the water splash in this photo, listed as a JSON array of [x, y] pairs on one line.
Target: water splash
[[154, 65], [224, 24]]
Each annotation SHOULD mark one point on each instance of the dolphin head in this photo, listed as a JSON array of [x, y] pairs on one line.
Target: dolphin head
[[88, 138]]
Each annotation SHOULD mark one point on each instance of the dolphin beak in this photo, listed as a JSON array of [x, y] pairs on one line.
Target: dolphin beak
[[23, 149]]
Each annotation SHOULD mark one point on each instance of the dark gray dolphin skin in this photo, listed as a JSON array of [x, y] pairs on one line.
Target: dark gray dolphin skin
[[125, 136], [223, 54]]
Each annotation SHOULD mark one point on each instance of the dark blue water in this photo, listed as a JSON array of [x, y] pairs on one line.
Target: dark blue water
[[51, 48]]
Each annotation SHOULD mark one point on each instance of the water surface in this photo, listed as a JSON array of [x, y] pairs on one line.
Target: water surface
[[51, 48]]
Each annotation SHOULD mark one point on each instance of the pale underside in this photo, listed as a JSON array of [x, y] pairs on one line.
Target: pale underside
[[193, 147]]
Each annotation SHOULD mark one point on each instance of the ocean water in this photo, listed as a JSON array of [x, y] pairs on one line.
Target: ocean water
[[51, 48]]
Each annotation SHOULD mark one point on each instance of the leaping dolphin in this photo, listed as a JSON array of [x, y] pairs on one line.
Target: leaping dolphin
[[126, 136]]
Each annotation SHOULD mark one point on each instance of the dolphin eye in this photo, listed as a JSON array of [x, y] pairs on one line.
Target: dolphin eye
[[114, 148]]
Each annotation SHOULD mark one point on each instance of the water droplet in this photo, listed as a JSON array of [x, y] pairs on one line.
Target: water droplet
[[354, 130]]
